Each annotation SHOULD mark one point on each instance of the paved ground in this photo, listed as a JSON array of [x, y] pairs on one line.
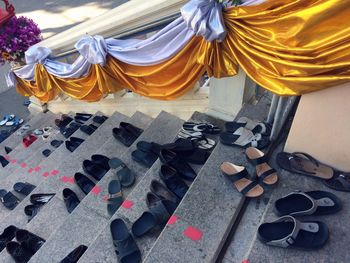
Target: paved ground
[[53, 16]]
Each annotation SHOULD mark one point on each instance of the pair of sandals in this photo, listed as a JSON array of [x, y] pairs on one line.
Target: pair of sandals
[[124, 178], [53, 143], [73, 143], [37, 201], [9, 200], [245, 133], [161, 205], [29, 140], [82, 117], [68, 130], [71, 200], [24, 130], [305, 164], [91, 128], [289, 232], [251, 187], [11, 120], [97, 167], [45, 133], [127, 133]]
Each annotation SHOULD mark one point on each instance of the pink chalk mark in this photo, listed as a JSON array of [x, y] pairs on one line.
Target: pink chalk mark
[[172, 220], [193, 233], [96, 190], [37, 168], [105, 198], [66, 179], [245, 261], [55, 172], [14, 161], [46, 174], [127, 204], [7, 157], [24, 165], [30, 170]]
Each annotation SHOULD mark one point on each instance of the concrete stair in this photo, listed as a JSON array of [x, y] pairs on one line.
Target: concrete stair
[[198, 228]]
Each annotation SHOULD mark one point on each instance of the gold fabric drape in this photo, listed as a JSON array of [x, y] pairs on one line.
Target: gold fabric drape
[[289, 47]]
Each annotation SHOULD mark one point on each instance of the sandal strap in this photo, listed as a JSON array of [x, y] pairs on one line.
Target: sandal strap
[[238, 176], [125, 247], [249, 187], [267, 173], [343, 179], [260, 160], [111, 197], [290, 238], [296, 159], [251, 124]]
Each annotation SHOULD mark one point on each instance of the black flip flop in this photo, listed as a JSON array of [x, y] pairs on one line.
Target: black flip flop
[[3, 161], [243, 138], [125, 246], [101, 160], [8, 199], [288, 232], [158, 214], [255, 126], [71, 200], [95, 170], [162, 192], [340, 181], [124, 136], [8, 149], [201, 127], [125, 175], [46, 152], [99, 119], [31, 211], [181, 166], [174, 183], [23, 188], [115, 197], [84, 183], [41, 199], [56, 143], [145, 158], [314, 203]]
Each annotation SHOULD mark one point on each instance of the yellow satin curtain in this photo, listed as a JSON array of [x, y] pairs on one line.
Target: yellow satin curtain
[[289, 47]]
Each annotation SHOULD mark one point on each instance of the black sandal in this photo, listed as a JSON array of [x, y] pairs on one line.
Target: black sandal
[[124, 174], [84, 183], [115, 196], [23, 188], [8, 199], [201, 127], [125, 247], [244, 138]]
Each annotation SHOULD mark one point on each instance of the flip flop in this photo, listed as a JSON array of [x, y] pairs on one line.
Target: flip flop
[[23, 188], [99, 119], [201, 127], [314, 203], [125, 175], [162, 192], [56, 143], [95, 170], [239, 176], [124, 136], [244, 138], [263, 170], [101, 160], [6, 119], [158, 214], [8, 149], [46, 152], [145, 158], [304, 164], [84, 183], [255, 126], [124, 245], [174, 183], [198, 138], [73, 143], [75, 255], [14, 122], [340, 182], [31, 211], [8, 199], [70, 130], [3, 161], [41, 199], [115, 197], [71, 200], [288, 232]]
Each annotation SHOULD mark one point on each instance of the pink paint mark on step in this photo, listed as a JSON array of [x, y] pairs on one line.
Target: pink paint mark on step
[[193, 233], [46, 174], [7, 157], [105, 198], [37, 168], [24, 165], [172, 220], [14, 161], [245, 261], [30, 170], [127, 204], [96, 190], [55, 172], [67, 179]]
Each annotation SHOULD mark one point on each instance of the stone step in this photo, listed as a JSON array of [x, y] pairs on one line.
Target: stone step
[[102, 250], [203, 219], [32, 164], [14, 140], [84, 224], [56, 167]]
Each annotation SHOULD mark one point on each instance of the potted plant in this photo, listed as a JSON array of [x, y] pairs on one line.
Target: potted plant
[[16, 36]]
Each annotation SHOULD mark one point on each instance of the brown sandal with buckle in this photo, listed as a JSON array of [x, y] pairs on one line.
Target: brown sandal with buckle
[[263, 170]]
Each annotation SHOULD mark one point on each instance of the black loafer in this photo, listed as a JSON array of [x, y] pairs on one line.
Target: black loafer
[[75, 255], [29, 240], [84, 183], [3, 161], [169, 175], [7, 235], [182, 167], [95, 170], [70, 199], [99, 119], [18, 252], [124, 136], [131, 128], [101, 160]]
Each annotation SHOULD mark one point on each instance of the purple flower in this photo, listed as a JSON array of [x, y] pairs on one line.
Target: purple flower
[[16, 36]]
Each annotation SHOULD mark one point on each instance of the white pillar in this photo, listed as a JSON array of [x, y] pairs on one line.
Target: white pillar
[[227, 95]]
